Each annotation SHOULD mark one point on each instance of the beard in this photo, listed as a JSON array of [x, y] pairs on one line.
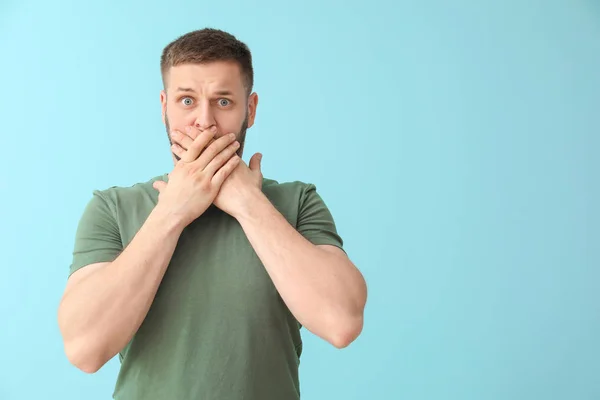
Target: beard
[[240, 135]]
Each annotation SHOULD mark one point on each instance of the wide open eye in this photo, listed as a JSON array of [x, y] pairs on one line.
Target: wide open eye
[[187, 101]]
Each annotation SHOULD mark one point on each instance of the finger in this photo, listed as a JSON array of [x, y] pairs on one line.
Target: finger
[[193, 132], [182, 139], [159, 185], [254, 163], [221, 158], [210, 142], [178, 150], [213, 149], [194, 150], [225, 171]]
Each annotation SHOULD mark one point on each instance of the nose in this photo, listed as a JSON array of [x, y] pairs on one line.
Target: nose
[[204, 118]]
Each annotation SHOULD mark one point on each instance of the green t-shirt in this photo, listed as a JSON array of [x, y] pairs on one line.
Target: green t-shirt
[[217, 328]]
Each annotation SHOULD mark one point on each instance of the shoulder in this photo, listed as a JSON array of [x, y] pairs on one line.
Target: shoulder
[[132, 191], [293, 197], [116, 198], [290, 194], [305, 209], [291, 189]]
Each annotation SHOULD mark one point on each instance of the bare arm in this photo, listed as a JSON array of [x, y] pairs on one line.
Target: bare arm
[[105, 304], [320, 285]]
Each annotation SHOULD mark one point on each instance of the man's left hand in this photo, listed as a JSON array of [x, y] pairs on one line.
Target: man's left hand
[[241, 187]]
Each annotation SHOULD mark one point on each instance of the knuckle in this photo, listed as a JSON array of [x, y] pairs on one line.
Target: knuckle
[[182, 167], [191, 171], [224, 156], [231, 166], [210, 153], [205, 185]]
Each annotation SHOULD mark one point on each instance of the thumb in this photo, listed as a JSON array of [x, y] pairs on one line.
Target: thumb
[[159, 185], [255, 162]]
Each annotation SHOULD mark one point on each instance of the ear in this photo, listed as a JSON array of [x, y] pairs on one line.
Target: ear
[[252, 105], [163, 105]]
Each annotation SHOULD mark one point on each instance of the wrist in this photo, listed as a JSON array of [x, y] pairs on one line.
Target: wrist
[[164, 219], [252, 204]]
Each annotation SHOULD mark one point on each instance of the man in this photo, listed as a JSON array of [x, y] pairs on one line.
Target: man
[[201, 279]]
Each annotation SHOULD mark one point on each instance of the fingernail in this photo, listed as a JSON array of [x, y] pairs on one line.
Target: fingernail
[[232, 135], [188, 129]]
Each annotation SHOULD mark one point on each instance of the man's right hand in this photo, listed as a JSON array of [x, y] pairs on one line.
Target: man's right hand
[[197, 177]]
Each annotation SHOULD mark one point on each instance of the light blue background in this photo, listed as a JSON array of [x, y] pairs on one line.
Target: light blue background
[[456, 144]]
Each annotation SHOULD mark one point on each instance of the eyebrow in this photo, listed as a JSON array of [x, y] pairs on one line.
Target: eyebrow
[[222, 92], [184, 89]]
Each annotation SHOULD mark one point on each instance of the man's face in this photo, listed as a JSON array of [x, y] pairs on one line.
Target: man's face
[[206, 96]]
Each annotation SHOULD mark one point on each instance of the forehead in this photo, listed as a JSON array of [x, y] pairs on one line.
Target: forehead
[[218, 75]]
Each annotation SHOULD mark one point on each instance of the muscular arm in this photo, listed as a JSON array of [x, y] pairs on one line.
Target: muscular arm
[[320, 285], [104, 304]]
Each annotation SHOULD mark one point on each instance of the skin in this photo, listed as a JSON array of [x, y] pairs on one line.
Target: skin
[[208, 96], [104, 304]]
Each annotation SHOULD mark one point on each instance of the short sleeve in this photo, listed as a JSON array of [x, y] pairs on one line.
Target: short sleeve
[[97, 238], [315, 221]]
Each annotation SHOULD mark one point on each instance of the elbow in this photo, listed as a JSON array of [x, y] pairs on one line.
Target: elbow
[[89, 368], [83, 359], [345, 333]]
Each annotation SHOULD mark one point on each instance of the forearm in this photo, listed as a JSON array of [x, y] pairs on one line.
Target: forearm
[[325, 292], [99, 315]]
